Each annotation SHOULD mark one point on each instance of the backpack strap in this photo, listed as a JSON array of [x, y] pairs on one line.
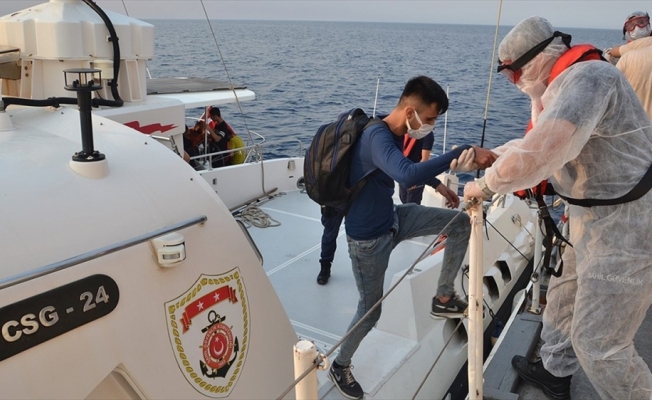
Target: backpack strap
[[357, 187], [372, 122]]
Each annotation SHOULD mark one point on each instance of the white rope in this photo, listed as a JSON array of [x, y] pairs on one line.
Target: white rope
[[254, 216]]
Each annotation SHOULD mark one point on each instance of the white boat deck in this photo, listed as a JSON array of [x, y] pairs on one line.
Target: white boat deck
[[322, 313]]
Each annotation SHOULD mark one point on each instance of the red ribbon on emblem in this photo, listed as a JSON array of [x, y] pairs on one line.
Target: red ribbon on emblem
[[205, 302]]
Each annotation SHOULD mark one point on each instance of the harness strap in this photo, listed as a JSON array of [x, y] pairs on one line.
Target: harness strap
[[551, 232], [642, 187]]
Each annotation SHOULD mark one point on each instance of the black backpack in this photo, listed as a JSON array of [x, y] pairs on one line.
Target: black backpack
[[327, 163]]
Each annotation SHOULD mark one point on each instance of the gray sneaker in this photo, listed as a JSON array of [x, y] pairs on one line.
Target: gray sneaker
[[453, 308], [345, 382]]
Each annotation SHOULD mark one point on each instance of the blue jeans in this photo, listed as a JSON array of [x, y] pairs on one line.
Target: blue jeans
[[331, 220], [370, 258], [411, 195]]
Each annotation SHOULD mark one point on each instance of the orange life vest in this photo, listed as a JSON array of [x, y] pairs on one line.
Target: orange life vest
[[408, 144]]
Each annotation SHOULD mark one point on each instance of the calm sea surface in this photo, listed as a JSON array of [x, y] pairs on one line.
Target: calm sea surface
[[305, 73]]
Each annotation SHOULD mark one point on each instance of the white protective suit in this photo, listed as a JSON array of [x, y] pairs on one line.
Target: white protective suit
[[592, 139]]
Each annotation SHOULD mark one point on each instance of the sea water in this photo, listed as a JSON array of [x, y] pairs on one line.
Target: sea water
[[306, 73]]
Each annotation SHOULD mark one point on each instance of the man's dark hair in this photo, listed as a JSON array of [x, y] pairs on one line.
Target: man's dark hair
[[427, 90], [215, 112]]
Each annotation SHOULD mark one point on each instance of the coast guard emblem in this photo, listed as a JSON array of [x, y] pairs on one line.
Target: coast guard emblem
[[209, 327]]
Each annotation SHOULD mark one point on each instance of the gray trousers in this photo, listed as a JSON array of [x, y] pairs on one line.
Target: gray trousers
[[595, 308]]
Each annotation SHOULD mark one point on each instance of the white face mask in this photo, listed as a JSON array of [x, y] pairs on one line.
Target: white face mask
[[640, 33], [534, 86], [420, 133]]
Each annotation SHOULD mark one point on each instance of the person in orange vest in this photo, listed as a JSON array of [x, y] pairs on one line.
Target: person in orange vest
[[417, 150], [592, 139], [221, 133]]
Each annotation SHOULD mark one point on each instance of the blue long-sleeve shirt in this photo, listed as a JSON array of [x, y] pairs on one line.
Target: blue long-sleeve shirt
[[371, 213]]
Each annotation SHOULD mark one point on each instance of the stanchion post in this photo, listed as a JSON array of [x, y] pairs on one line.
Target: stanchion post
[[476, 323], [305, 354]]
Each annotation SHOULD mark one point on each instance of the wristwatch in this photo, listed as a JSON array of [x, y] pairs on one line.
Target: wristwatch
[[483, 186]]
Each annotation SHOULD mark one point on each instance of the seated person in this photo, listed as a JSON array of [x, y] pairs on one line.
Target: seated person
[[192, 139], [223, 138]]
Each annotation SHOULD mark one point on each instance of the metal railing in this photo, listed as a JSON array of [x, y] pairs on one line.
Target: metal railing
[[93, 254], [254, 152]]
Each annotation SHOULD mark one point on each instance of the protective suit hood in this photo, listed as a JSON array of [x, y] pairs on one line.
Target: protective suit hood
[[635, 14], [524, 36]]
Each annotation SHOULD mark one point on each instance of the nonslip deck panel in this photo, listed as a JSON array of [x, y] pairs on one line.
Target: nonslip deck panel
[[501, 379]]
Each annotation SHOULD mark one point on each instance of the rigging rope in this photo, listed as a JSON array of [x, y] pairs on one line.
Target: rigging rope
[[491, 74], [228, 76], [237, 100], [125, 7], [459, 324], [507, 240], [253, 215], [423, 255]]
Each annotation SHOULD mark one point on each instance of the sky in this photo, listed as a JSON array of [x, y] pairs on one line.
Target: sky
[[603, 14]]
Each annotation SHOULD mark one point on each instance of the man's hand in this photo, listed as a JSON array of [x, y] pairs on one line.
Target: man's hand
[[471, 190], [484, 157], [452, 200]]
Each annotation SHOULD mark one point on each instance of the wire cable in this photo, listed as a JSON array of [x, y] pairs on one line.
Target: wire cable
[[423, 255], [491, 74], [459, 324], [226, 70]]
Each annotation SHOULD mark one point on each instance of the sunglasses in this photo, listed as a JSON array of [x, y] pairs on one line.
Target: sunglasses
[[641, 22], [512, 69]]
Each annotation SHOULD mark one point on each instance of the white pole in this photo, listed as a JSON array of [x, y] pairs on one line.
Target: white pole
[[536, 286], [476, 324], [305, 354], [445, 125]]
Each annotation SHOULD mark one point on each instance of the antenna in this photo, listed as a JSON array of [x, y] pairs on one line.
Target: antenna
[[373, 115]]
